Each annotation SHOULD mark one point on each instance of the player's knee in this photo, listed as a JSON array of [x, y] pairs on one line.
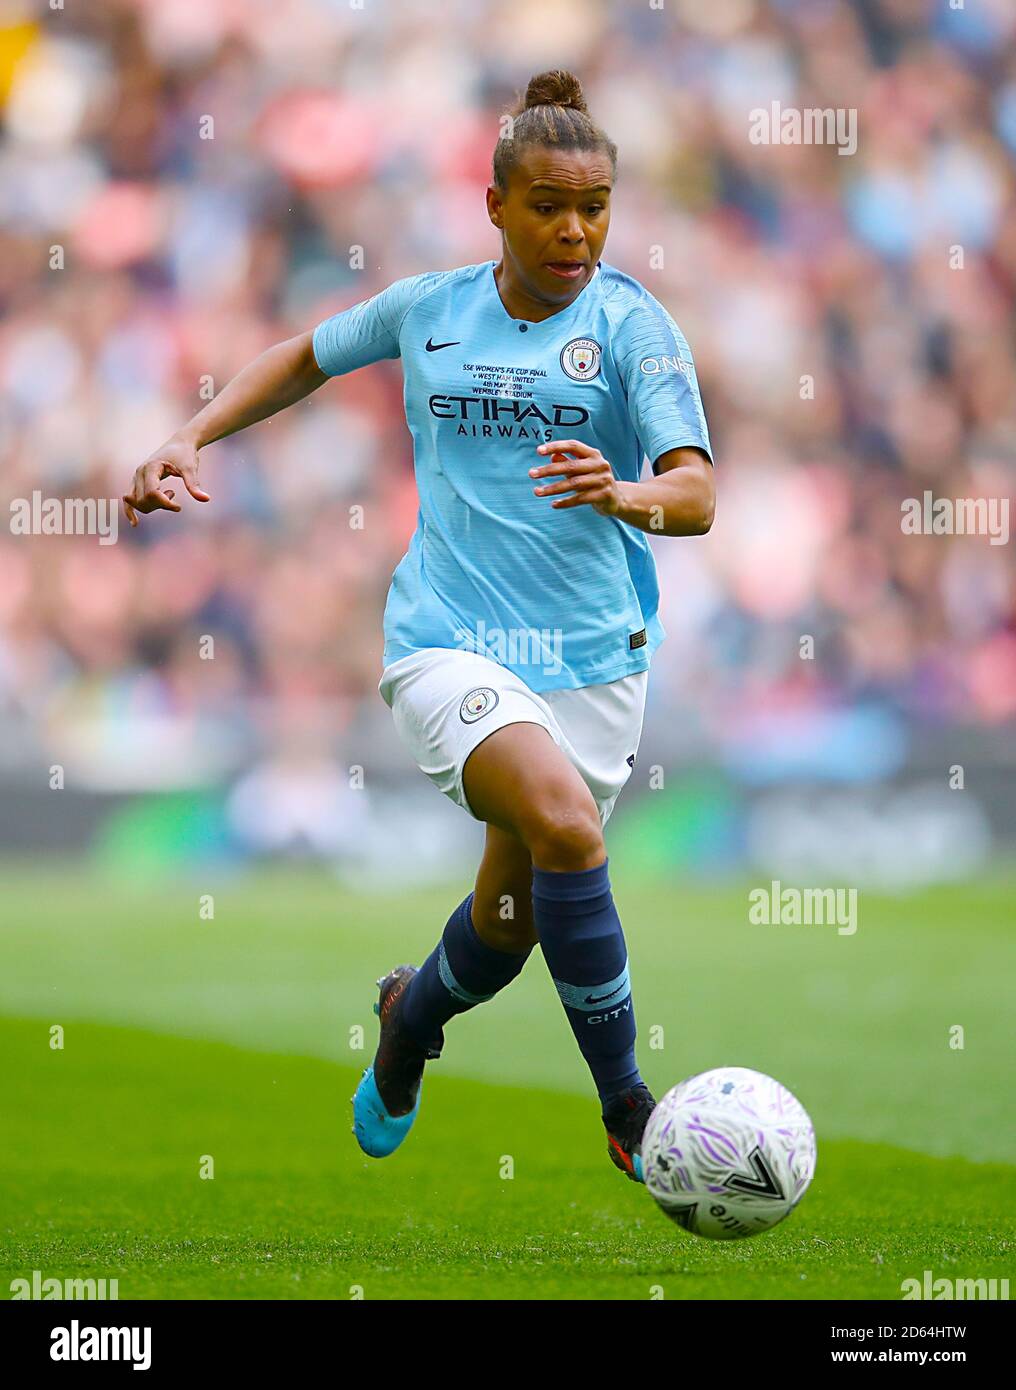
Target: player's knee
[[565, 835]]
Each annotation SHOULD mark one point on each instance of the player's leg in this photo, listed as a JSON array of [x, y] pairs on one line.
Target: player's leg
[[503, 897], [447, 704], [483, 947], [443, 703], [485, 943], [520, 780]]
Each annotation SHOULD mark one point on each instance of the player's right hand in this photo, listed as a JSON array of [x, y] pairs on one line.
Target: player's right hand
[[175, 459]]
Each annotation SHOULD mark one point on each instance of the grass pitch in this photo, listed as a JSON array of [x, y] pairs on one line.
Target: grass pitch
[[235, 1039]]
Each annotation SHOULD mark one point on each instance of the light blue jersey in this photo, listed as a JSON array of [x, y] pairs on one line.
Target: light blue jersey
[[563, 598]]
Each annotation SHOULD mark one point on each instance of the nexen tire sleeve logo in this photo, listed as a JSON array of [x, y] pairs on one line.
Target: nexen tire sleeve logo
[[653, 366]]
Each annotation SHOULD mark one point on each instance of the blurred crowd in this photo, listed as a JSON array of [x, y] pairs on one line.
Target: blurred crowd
[[185, 182]]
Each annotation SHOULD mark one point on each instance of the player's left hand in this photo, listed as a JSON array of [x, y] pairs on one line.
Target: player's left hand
[[587, 474]]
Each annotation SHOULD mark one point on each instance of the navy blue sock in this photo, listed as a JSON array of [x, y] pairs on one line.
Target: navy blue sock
[[583, 945], [459, 973]]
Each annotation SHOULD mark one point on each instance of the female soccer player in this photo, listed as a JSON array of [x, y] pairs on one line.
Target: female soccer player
[[520, 624]]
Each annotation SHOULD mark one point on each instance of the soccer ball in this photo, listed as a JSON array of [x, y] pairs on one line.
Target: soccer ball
[[728, 1153]]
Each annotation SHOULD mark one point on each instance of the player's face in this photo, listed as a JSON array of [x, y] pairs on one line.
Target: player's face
[[554, 216]]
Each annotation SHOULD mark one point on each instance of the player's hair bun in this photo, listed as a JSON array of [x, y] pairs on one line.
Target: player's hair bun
[[553, 114], [556, 88]]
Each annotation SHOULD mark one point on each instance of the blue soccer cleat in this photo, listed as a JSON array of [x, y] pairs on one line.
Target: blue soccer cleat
[[388, 1096], [625, 1121]]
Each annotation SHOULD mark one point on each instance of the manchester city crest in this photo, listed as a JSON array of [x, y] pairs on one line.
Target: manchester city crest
[[580, 359], [477, 703]]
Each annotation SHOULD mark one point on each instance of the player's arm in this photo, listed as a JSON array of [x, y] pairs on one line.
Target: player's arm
[[678, 501], [661, 392], [281, 376]]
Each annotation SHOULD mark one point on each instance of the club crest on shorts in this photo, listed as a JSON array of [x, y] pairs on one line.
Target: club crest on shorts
[[477, 703], [580, 359]]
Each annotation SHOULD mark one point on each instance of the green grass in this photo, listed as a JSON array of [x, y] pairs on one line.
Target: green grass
[[231, 1038], [103, 1181]]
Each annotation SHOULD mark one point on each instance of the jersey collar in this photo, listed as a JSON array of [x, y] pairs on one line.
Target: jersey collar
[[531, 324]]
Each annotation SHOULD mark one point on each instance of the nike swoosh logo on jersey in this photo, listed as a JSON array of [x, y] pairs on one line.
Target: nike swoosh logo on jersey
[[600, 998], [436, 347]]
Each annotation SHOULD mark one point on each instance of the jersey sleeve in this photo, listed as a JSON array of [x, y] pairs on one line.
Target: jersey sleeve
[[369, 331], [658, 372]]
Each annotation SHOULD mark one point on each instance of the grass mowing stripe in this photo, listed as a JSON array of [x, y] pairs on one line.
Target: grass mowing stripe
[[858, 1026], [102, 1143]]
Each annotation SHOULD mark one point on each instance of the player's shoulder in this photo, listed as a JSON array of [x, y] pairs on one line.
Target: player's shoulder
[[433, 282], [623, 295], [636, 316], [429, 292]]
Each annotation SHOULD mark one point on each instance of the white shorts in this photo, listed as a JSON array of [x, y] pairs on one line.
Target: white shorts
[[446, 702]]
